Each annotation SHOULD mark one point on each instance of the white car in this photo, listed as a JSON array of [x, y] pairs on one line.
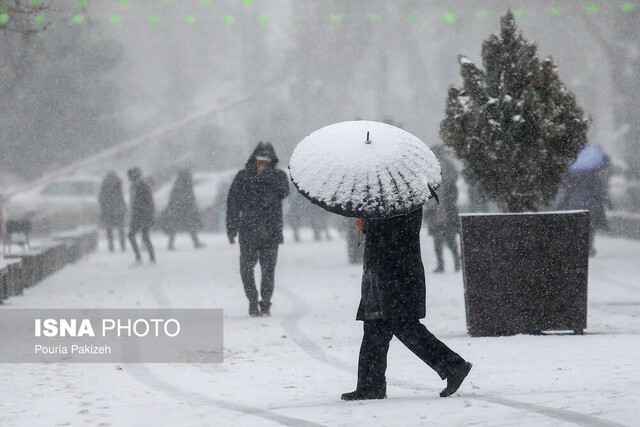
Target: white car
[[60, 204]]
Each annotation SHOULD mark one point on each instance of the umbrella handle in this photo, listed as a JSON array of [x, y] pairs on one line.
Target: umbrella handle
[[433, 193]]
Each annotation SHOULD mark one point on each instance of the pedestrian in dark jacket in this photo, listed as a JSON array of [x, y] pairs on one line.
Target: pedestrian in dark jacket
[[182, 213], [586, 187], [254, 211], [393, 300], [112, 208], [442, 218], [142, 212]]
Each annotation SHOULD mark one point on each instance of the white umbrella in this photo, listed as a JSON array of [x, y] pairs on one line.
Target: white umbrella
[[365, 169]]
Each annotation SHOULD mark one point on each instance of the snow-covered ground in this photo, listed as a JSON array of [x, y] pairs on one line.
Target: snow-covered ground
[[292, 367]]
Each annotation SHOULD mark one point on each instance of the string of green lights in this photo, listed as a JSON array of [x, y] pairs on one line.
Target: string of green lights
[[229, 20]]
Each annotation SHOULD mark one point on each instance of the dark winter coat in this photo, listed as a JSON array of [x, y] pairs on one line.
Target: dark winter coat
[[142, 207], [254, 203], [111, 200], [442, 218], [182, 212], [393, 283], [586, 190]]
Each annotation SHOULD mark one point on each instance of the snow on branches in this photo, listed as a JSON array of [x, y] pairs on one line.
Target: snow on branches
[[514, 124]]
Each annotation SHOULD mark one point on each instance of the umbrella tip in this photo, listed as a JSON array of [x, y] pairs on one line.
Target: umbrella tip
[[368, 141]]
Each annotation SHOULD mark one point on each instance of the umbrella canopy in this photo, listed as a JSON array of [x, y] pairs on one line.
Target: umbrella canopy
[[591, 158], [365, 169]]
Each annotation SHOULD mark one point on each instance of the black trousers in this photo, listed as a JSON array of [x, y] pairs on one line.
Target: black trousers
[[372, 363], [250, 253], [145, 239], [110, 237], [452, 243]]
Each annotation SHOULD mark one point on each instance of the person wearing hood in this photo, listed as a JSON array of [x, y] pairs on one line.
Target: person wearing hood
[[393, 300], [142, 212], [254, 213], [182, 212], [112, 208]]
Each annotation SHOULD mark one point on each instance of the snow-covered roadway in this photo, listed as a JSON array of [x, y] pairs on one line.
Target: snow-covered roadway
[[292, 367]]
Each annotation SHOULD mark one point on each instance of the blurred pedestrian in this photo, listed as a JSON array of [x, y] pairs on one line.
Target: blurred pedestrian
[[182, 212], [296, 213], [355, 241], [254, 211], [319, 219], [392, 302], [302, 212], [477, 199], [585, 186], [142, 212], [112, 208], [442, 218]]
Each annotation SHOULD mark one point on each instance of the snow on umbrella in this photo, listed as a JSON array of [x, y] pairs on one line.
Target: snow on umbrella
[[365, 169]]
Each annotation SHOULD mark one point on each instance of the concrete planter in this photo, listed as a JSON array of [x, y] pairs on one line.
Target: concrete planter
[[525, 273]]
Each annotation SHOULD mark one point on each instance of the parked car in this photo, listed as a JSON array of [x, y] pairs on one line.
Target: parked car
[[59, 204]]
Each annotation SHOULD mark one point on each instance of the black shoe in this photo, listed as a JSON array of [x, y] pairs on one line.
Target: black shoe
[[265, 308], [254, 311], [439, 269], [365, 394], [455, 380]]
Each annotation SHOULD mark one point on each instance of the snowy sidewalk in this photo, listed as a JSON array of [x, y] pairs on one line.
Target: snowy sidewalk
[[292, 367]]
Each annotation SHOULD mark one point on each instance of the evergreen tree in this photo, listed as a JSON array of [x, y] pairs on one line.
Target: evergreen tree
[[515, 125]]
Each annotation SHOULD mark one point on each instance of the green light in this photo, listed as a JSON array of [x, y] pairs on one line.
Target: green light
[[35, 2], [263, 19], [517, 14], [207, 1], [82, 3], [4, 18], [627, 7], [375, 16], [154, 20], [449, 17], [336, 18], [555, 10], [481, 14], [191, 20], [125, 2], [229, 20], [115, 19], [247, 2], [40, 18], [166, 1], [592, 8], [414, 16], [78, 19]]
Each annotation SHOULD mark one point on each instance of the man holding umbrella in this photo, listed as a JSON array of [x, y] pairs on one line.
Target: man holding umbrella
[[385, 179], [254, 211]]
